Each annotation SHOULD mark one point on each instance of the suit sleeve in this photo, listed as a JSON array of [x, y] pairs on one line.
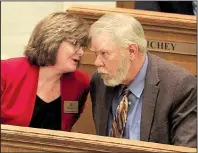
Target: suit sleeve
[[184, 113], [93, 91]]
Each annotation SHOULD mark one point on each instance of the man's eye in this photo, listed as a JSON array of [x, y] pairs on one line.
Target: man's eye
[[104, 54]]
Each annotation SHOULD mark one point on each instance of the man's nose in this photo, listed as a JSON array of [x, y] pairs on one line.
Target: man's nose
[[98, 62], [80, 51]]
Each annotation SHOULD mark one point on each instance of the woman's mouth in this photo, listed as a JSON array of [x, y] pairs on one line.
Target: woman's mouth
[[76, 61]]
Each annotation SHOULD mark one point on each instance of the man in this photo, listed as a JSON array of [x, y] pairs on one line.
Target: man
[[136, 95]]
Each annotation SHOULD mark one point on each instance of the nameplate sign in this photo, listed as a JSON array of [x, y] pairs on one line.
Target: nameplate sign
[[171, 47]]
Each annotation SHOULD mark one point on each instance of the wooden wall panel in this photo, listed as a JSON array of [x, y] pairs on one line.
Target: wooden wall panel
[[125, 4], [25, 139]]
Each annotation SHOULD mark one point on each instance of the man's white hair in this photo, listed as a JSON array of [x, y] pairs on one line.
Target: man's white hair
[[123, 28]]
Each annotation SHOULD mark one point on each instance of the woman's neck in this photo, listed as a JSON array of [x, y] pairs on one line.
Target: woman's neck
[[49, 74]]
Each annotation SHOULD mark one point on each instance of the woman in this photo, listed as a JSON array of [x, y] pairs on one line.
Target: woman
[[44, 89]]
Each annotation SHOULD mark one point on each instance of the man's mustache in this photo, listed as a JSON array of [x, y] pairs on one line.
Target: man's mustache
[[102, 71]]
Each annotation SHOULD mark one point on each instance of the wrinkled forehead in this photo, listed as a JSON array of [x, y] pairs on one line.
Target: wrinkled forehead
[[101, 42]]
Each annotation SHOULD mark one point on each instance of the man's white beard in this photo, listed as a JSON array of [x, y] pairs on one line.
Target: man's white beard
[[120, 75]]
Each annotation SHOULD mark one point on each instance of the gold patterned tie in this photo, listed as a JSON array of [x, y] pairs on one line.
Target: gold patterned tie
[[120, 118]]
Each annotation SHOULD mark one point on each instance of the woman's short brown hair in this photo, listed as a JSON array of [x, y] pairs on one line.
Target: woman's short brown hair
[[50, 32]]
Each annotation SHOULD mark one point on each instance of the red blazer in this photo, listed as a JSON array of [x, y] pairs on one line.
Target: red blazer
[[19, 81]]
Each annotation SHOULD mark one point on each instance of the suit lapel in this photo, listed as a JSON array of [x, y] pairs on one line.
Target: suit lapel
[[150, 95], [107, 100]]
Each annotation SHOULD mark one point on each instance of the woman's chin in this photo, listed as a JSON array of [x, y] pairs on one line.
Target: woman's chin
[[69, 69], [72, 69]]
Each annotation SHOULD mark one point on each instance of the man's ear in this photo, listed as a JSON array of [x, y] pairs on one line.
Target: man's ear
[[133, 51]]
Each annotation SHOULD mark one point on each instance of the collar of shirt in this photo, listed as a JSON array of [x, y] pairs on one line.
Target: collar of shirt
[[137, 85]]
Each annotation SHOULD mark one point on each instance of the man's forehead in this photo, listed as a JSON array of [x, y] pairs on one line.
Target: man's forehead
[[101, 42]]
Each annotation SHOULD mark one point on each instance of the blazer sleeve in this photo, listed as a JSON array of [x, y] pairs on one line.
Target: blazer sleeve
[[3, 76], [184, 113], [82, 98], [3, 83]]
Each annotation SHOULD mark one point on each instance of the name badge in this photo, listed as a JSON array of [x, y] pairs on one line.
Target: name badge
[[70, 106]]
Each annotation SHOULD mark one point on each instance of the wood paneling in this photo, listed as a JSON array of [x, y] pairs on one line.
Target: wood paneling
[[125, 4], [25, 139]]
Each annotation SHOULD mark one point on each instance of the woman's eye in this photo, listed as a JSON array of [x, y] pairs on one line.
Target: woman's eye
[[84, 46]]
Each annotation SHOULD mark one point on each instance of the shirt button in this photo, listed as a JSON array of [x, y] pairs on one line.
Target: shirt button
[[129, 103]]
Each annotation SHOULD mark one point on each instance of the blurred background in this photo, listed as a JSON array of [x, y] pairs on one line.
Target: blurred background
[[19, 18]]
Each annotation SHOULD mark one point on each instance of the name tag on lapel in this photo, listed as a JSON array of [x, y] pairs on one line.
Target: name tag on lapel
[[70, 106]]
